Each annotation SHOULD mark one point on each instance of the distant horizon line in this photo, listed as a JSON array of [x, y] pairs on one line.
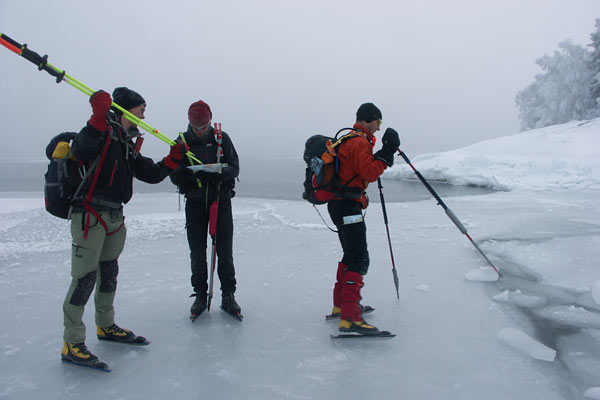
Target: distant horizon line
[[30, 159]]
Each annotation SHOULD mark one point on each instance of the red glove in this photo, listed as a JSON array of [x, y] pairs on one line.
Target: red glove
[[100, 102], [175, 155]]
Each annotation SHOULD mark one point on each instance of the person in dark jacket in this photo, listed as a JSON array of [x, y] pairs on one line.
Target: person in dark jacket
[[201, 189], [358, 167], [107, 146]]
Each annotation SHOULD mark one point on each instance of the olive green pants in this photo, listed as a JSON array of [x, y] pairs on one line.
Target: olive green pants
[[93, 265]]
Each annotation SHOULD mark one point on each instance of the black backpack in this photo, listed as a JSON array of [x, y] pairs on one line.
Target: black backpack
[[64, 178], [321, 182]]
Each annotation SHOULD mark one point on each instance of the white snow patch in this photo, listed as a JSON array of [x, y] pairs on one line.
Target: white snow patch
[[9, 205], [502, 296], [423, 288], [526, 301], [482, 274], [596, 291], [525, 344], [593, 393], [565, 156], [132, 355], [571, 315], [10, 350]]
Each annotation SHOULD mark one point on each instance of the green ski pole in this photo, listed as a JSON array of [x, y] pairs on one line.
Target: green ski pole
[[42, 63]]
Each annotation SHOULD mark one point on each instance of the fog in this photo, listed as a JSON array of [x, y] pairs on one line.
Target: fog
[[444, 74]]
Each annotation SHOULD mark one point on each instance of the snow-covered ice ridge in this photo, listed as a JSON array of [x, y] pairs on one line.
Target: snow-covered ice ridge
[[560, 156]]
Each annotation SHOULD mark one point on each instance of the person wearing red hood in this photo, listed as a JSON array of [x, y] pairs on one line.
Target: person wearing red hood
[[201, 189], [358, 167]]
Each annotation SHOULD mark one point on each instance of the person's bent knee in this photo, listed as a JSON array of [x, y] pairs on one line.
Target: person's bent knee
[[108, 276], [83, 290]]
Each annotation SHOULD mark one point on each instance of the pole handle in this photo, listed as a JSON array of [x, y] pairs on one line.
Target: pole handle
[[10, 44], [42, 63]]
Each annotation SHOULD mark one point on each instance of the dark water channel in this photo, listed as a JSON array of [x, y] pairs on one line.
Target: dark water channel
[[272, 179]]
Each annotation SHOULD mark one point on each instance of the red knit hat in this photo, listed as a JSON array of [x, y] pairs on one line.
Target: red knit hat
[[199, 114]]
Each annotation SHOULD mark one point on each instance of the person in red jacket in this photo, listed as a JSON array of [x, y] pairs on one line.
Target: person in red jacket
[[358, 167]]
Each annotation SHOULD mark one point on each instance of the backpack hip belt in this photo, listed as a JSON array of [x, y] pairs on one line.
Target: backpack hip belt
[[104, 203], [345, 191]]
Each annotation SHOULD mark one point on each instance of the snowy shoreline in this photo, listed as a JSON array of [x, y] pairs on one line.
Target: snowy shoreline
[[562, 156]]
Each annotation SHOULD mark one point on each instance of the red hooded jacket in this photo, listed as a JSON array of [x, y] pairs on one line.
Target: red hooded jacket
[[356, 158]]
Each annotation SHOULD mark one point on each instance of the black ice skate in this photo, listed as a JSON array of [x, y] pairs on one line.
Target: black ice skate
[[231, 307]]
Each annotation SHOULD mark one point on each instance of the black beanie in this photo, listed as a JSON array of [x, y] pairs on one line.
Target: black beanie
[[127, 98], [368, 112]]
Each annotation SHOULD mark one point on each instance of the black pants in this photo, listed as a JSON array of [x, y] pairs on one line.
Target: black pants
[[196, 223], [352, 233]]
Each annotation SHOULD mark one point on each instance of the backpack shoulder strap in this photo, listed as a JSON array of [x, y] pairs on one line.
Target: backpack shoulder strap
[[100, 159], [353, 133]]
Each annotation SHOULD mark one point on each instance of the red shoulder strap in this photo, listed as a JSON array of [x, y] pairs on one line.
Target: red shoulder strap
[[88, 197]]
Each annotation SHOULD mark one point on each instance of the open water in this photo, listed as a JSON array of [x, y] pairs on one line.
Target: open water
[[270, 179]]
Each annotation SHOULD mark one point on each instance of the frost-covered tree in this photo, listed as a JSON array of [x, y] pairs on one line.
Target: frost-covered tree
[[595, 63], [560, 94]]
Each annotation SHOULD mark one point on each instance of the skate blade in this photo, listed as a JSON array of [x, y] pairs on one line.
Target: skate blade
[[238, 317], [95, 368], [380, 335], [135, 341], [194, 317]]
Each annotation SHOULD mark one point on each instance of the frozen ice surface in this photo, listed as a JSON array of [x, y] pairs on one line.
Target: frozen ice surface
[[544, 236]]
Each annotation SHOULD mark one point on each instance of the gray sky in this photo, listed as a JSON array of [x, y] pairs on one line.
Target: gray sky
[[444, 73]]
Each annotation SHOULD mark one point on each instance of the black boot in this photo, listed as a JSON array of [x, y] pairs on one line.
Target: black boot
[[199, 305], [230, 306]]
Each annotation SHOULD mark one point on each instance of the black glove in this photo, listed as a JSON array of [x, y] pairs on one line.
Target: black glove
[[206, 176], [390, 140], [391, 143], [386, 157]]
